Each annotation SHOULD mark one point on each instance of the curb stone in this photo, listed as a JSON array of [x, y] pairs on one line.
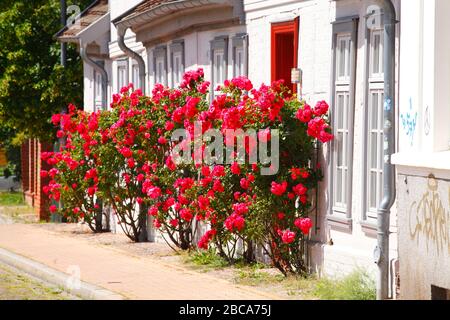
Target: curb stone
[[86, 290]]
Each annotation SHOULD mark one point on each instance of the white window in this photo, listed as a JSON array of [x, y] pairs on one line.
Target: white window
[[160, 70], [376, 53], [341, 145], [135, 76], [342, 117], [219, 68], [342, 123], [343, 42], [177, 69], [374, 150], [239, 65], [122, 74], [98, 97], [374, 125], [177, 62], [240, 55], [219, 62], [160, 65]]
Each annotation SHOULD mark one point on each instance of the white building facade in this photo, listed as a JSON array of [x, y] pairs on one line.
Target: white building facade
[[338, 45]]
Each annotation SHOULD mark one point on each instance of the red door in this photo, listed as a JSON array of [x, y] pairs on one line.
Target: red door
[[285, 51]]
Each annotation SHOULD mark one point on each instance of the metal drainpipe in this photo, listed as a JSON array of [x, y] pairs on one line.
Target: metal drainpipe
[[100, 69], [381, 253], [134, 55], [63, 22], [144, 235]]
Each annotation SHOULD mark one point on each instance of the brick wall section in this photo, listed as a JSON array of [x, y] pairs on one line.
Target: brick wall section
[[29, 159], [36, 159], [32, 166], [24, 152], [41, 199], [32, 182]]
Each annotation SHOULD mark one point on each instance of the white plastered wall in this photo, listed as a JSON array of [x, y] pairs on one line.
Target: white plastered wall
[[315, 58]]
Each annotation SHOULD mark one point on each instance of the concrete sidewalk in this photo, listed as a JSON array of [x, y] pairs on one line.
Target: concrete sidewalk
[[130, 276]]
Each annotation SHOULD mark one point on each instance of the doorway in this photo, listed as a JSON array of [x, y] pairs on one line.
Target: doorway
[[284, 51]]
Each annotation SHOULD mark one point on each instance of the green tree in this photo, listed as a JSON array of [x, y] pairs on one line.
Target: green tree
[[33, 84]]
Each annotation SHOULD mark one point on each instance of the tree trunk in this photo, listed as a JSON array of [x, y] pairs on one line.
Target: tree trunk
[[99, 216], [143, 234]]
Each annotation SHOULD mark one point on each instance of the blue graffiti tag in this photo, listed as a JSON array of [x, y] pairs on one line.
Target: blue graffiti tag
[[409, 122], [387, 104]]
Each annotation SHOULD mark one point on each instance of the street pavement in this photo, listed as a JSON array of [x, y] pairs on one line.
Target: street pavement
[[5, 220], [133, 277]]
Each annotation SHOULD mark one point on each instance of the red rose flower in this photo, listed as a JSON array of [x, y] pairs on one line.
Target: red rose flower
[[186, 214], [170, 164], [300, 189], [153, 211], [174, 223], [218, 187], [245, 184], [278, 189], [304, 114], [288, 236], [304, 224], [235, 168], [321, 108]]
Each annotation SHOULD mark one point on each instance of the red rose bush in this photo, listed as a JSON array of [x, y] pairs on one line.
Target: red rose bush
[[233, 174]]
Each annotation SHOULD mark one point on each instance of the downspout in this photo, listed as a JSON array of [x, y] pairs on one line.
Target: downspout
[[134, 55], [63, 22], [100, 69], [381, 254], [144, 234]]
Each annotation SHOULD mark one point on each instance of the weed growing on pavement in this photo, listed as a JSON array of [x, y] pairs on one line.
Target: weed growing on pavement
[[256, 277], [17, 286], [206, 259], [358, 285]]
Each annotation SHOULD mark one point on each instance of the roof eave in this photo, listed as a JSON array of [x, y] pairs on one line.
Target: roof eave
[[60, 32], [161, 10]]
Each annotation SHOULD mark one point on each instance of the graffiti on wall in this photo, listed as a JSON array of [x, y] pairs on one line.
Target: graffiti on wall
[[409, 122], [427, 121], [429, 219]]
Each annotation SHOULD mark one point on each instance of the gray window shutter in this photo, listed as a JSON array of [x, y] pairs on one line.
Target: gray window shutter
[[342, 218]]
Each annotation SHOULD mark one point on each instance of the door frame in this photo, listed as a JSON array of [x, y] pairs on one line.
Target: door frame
[[291, 26]]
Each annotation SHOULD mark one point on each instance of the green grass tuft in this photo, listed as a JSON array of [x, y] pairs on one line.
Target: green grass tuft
[[207, 259], [11, 199], [255, 277], [358, 285]]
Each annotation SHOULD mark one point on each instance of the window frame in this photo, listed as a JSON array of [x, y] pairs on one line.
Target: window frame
[[135, 77], [158, 54], [340, 217], [122, 64], [374, 82], [240, 42], [177, 48], [99, 104], [218, 44]]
